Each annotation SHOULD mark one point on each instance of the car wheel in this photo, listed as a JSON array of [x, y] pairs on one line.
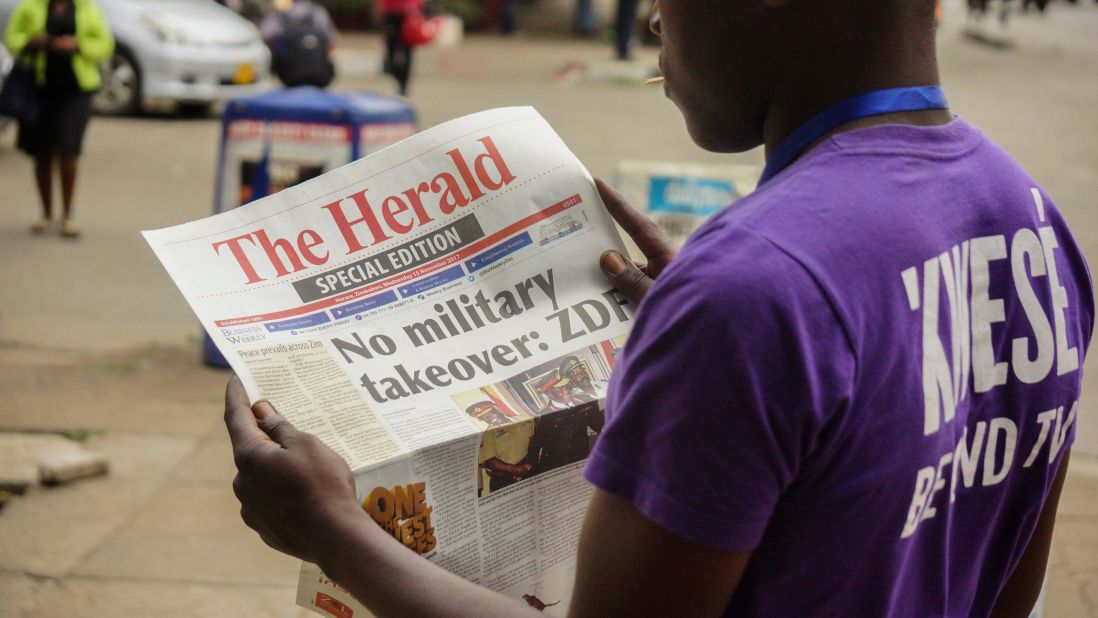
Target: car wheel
[[121, 89]]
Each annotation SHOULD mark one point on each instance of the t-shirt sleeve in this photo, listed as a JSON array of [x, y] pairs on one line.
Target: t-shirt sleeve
[[734, 369]]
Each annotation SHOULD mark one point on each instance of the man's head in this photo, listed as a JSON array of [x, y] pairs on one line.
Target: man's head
[[735, 68], [574, 370], [556, 388], [487, 412]]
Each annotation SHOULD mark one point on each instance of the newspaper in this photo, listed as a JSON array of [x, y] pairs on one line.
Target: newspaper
[[435, 314]]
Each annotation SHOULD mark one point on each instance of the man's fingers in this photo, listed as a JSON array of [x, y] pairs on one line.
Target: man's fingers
[[274, 424], [253, 424], [625, 276], [241, 423], [651, 240], [629, 218]]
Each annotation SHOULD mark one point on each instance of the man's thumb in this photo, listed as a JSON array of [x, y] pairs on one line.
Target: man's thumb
[[272, 423], [625, 276]]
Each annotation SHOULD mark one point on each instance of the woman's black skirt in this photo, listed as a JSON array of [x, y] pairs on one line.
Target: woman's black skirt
[[60, 127]]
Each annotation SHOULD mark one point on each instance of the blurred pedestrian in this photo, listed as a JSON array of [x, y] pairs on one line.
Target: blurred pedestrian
[[624, 25], [301, 36], [585, 22], [63, 42], [507, 23], [398, 53], [978, 29]]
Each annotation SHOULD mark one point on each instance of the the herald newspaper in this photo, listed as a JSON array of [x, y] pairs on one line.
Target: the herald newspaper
[[434, 313]]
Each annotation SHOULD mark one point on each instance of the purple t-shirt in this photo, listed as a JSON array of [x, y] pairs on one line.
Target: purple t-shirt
[[866, 372]]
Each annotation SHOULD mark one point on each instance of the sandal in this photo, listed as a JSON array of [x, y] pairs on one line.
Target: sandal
[[69, 229]]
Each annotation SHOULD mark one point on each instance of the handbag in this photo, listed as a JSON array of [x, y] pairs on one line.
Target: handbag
[[19, 98], [418, 30]]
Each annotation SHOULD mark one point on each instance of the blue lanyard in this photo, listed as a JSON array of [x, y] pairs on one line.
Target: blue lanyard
[[864, 105]]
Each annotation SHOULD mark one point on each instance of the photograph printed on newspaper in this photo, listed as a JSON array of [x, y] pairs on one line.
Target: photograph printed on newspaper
[[435, 313]]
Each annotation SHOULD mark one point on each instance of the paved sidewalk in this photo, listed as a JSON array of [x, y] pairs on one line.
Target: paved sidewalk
[[161, 534]]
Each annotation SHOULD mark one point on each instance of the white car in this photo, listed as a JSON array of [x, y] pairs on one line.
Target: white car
[[192, 52]]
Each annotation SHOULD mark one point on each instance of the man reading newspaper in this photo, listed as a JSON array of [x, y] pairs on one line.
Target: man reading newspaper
[[851, 393]]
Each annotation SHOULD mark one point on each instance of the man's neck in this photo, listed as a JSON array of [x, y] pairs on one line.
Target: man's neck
[[908, 61]]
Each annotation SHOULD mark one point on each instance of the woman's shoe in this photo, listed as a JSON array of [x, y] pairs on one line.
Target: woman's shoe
[[41, 226], [69, 229]]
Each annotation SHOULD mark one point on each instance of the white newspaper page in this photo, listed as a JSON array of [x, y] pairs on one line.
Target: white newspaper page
[[435, 313]]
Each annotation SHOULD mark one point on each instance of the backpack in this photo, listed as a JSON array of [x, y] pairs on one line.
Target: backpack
[[301, 57]]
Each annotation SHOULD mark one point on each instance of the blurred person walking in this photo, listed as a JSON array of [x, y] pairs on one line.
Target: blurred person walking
[[989, 25], [624, 25], [585, 22], [398, 53], [301, 36], [62, 42]]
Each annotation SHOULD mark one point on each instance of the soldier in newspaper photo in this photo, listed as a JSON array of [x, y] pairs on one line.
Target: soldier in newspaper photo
[[580, 377], [504, 455], [853, 392], [559, 394], [558, 424], [487, 412], [567, 437]]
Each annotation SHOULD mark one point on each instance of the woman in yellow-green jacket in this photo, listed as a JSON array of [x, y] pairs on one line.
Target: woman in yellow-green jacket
[[62, 41]]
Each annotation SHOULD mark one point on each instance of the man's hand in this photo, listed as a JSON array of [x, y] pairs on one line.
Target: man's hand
[[299, 495], [63, 45], [288, 482], [523, 470], [629, 279], [498, 466]]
